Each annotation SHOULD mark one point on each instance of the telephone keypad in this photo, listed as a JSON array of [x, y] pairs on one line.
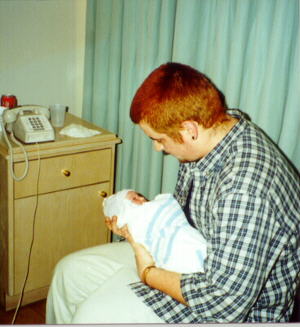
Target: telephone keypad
[[36, 123]]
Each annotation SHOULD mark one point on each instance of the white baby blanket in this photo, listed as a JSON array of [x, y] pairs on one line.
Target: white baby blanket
[[161, 226]]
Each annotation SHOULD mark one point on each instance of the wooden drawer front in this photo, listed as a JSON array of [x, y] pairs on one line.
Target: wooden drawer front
[[65, 222], [64, 172]]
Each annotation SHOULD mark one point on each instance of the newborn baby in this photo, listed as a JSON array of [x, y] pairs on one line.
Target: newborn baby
[[161, 226]]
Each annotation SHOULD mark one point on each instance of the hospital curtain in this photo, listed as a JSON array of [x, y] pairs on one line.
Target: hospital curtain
[[249, 48]]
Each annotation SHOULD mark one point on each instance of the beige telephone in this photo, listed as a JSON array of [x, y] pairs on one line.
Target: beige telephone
[[29, 124]]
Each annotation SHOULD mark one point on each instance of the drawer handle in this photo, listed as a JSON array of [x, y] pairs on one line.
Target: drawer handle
[[66, 172], [103, 194]]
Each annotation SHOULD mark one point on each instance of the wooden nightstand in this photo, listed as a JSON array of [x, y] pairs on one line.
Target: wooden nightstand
[[75, 174]]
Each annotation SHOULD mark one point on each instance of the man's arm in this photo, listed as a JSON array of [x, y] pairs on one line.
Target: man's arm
[[167, 282], [163, 280]]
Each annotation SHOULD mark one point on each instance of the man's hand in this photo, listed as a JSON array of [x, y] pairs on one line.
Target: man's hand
[[111, 224], [142, 256], [163, 280]]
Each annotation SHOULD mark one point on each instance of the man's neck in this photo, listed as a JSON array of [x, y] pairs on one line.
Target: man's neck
[[215, 135]]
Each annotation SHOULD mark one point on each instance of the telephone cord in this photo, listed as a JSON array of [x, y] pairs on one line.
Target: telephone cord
[[32, 238], [11, 155]]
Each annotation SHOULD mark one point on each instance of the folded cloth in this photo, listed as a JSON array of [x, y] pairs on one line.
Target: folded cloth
[[161, 226], [75, 130]]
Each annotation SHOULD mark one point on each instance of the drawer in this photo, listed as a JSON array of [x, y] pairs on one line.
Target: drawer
[[65, 222], [64, 172]]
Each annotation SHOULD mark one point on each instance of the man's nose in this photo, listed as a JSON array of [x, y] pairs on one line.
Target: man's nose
[[157, 146]]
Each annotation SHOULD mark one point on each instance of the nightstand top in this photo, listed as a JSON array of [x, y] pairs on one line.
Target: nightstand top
[[62, 143]]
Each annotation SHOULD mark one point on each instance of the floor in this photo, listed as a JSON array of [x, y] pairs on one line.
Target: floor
[[29, 314]]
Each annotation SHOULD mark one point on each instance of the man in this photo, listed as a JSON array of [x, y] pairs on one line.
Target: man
[[235, 187]]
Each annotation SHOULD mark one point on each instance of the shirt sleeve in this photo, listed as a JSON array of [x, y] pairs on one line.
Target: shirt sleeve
[[241, 250]]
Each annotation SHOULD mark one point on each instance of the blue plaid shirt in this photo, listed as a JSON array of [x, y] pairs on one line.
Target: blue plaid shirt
[[245, 201]]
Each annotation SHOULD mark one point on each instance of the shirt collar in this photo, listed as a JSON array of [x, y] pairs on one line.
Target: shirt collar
[[213, 161]]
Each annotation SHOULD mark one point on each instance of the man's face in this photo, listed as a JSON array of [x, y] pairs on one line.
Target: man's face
[[163, 142]]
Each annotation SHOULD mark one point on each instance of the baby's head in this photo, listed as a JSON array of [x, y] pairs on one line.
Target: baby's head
[[122, 202], [135, 197]]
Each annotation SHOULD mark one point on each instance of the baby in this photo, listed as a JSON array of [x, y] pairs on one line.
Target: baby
[[161, 226]]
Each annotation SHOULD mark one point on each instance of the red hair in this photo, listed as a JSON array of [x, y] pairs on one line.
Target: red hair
[[174, 93]]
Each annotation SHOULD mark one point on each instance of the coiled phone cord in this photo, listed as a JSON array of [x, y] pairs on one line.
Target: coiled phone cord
[[11, 155]]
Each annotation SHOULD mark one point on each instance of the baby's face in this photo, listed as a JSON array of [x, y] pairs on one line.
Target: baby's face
[[135, 197]]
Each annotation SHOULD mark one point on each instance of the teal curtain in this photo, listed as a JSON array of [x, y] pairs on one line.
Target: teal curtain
[[249, 48]]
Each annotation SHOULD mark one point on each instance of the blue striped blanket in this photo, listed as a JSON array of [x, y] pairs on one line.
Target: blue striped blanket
[[161, 226]]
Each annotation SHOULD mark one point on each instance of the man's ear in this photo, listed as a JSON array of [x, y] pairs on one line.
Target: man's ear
[[190, 127]]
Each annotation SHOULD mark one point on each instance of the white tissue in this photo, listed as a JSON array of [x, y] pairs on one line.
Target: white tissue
[[75, 130]]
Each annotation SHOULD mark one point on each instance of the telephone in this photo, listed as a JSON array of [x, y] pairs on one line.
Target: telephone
[[29, 124]]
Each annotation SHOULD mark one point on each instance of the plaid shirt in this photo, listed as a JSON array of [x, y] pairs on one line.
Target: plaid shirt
[[246, 202]]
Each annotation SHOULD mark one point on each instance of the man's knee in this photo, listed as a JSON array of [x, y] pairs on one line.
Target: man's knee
[[66, 266], [107, 305]]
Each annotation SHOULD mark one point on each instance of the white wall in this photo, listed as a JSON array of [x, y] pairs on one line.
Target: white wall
[[42, 51]]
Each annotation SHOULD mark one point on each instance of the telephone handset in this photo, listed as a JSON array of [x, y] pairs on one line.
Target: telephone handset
[[29, 124]]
